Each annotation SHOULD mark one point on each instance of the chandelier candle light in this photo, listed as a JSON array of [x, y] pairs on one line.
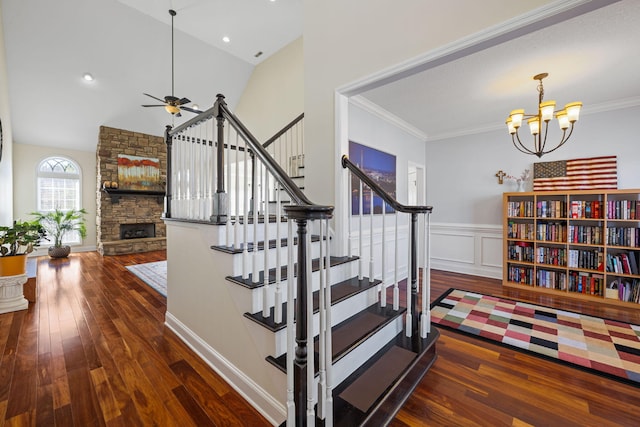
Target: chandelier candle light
[[566, 118]]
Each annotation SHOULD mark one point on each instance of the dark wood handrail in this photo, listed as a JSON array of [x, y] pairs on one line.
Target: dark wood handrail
[[283, 131], [348, 164]]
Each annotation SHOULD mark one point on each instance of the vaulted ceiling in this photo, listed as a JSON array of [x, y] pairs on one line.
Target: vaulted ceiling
[[125, 44]]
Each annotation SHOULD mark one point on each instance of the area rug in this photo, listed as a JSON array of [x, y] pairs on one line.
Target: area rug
[[153, 274], [602, 346]]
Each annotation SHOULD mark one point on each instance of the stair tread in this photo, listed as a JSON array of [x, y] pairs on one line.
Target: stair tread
[[272, 245], [372, 395], [339, 292], [350, 333], [315, 266]]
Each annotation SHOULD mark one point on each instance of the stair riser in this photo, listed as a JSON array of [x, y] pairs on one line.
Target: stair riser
[[258, 257], [339, 312], [252, 298], [272, 228]]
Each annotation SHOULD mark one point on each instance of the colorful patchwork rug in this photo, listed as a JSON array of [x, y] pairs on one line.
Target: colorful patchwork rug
[[606, 347], [153, 274]]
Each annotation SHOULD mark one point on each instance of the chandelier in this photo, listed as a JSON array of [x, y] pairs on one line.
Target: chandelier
[[566, 119]]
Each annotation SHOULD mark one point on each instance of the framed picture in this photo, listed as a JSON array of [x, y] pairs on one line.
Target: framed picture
[[381, 167], [138, 173]]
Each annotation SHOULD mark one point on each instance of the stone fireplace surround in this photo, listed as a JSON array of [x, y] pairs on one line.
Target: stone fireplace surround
[[130, 207]]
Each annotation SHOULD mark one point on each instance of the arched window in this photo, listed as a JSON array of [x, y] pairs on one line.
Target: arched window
[[59, 188]]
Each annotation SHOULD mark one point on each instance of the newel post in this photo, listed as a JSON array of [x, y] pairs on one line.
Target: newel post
[[302, 214], [168, 139], [220, 202]]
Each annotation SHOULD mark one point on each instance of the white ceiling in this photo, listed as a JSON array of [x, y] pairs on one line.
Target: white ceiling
[[593, 58], [126, 45]]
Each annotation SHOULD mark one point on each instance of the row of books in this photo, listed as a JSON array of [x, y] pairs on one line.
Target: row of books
[[586, 209], [623, 209], [628, 290], [551, 256], [586, 234], [552, 279], [521, 251], [623, 262], [586, 283], [551, 232], [523, 209], [586, 259], [551, 209], [521, 275], [623, 236], [520, 231]]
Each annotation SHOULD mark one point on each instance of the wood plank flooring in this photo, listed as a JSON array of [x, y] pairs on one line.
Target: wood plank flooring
[[93, 351]]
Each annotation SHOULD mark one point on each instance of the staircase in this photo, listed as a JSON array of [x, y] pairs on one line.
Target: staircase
[[310, 337]]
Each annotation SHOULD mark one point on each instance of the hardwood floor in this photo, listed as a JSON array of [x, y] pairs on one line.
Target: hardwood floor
[[93, 350]]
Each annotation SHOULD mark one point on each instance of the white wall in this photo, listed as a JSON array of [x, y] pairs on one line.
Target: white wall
[[274, 95], [25, 162], [6, 178]]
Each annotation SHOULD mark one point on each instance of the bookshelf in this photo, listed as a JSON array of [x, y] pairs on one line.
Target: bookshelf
[[585, 244]]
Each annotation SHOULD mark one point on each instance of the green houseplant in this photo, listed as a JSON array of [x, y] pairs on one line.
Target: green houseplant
[[57, 224], [16, 241]]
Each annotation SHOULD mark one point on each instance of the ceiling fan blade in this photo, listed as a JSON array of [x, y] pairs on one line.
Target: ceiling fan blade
[[151, 96], [184, 101], [154, 105], [191, 110]]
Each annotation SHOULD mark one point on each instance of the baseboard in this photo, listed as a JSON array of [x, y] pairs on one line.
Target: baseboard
[[262, 401]]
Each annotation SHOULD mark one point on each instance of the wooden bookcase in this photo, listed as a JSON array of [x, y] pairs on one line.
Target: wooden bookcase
[[584, 244]]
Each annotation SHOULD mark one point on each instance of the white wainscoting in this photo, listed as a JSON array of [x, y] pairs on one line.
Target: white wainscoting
[[467, 248]]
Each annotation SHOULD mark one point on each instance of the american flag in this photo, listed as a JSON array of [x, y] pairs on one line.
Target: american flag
[[577, 174]]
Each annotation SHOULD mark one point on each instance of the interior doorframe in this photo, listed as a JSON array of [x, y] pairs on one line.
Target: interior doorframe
[[529, 22]]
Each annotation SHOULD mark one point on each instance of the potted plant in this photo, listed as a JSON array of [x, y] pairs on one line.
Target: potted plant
[[58, 223], [16, 242]]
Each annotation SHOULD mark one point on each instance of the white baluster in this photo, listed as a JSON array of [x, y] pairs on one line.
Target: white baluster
[[214, 164], [349, 212], [310, 335], [245, 218], [266, 288], [321, 330], [360, 238], [408, 329], [383, 287], [425, 318], [278, 296], [396, 283], [256, 208], [328, 407], [236, 224], [228, 187], [371, 272]]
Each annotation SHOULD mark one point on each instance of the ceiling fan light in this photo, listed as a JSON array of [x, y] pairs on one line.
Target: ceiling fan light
[[546, 110], [509, 123], [563, 119], [172, 109], [573, 111], [534, 125], [516, 118]]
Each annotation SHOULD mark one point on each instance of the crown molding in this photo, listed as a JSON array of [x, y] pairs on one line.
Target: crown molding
[[373, 108]]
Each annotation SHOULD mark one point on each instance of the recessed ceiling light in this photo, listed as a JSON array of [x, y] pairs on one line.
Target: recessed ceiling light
[[88, 77], [226, 39]]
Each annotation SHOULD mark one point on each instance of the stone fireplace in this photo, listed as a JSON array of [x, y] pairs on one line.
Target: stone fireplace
[[128, 221]]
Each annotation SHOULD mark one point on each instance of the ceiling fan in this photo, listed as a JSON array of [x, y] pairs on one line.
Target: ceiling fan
[[171, 103]]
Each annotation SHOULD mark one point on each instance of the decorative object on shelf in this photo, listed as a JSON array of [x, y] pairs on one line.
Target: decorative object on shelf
[[520, 181], [500, 174], [58, 223], [16, 242], [566, 118], [592, 173], [172, 104]]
